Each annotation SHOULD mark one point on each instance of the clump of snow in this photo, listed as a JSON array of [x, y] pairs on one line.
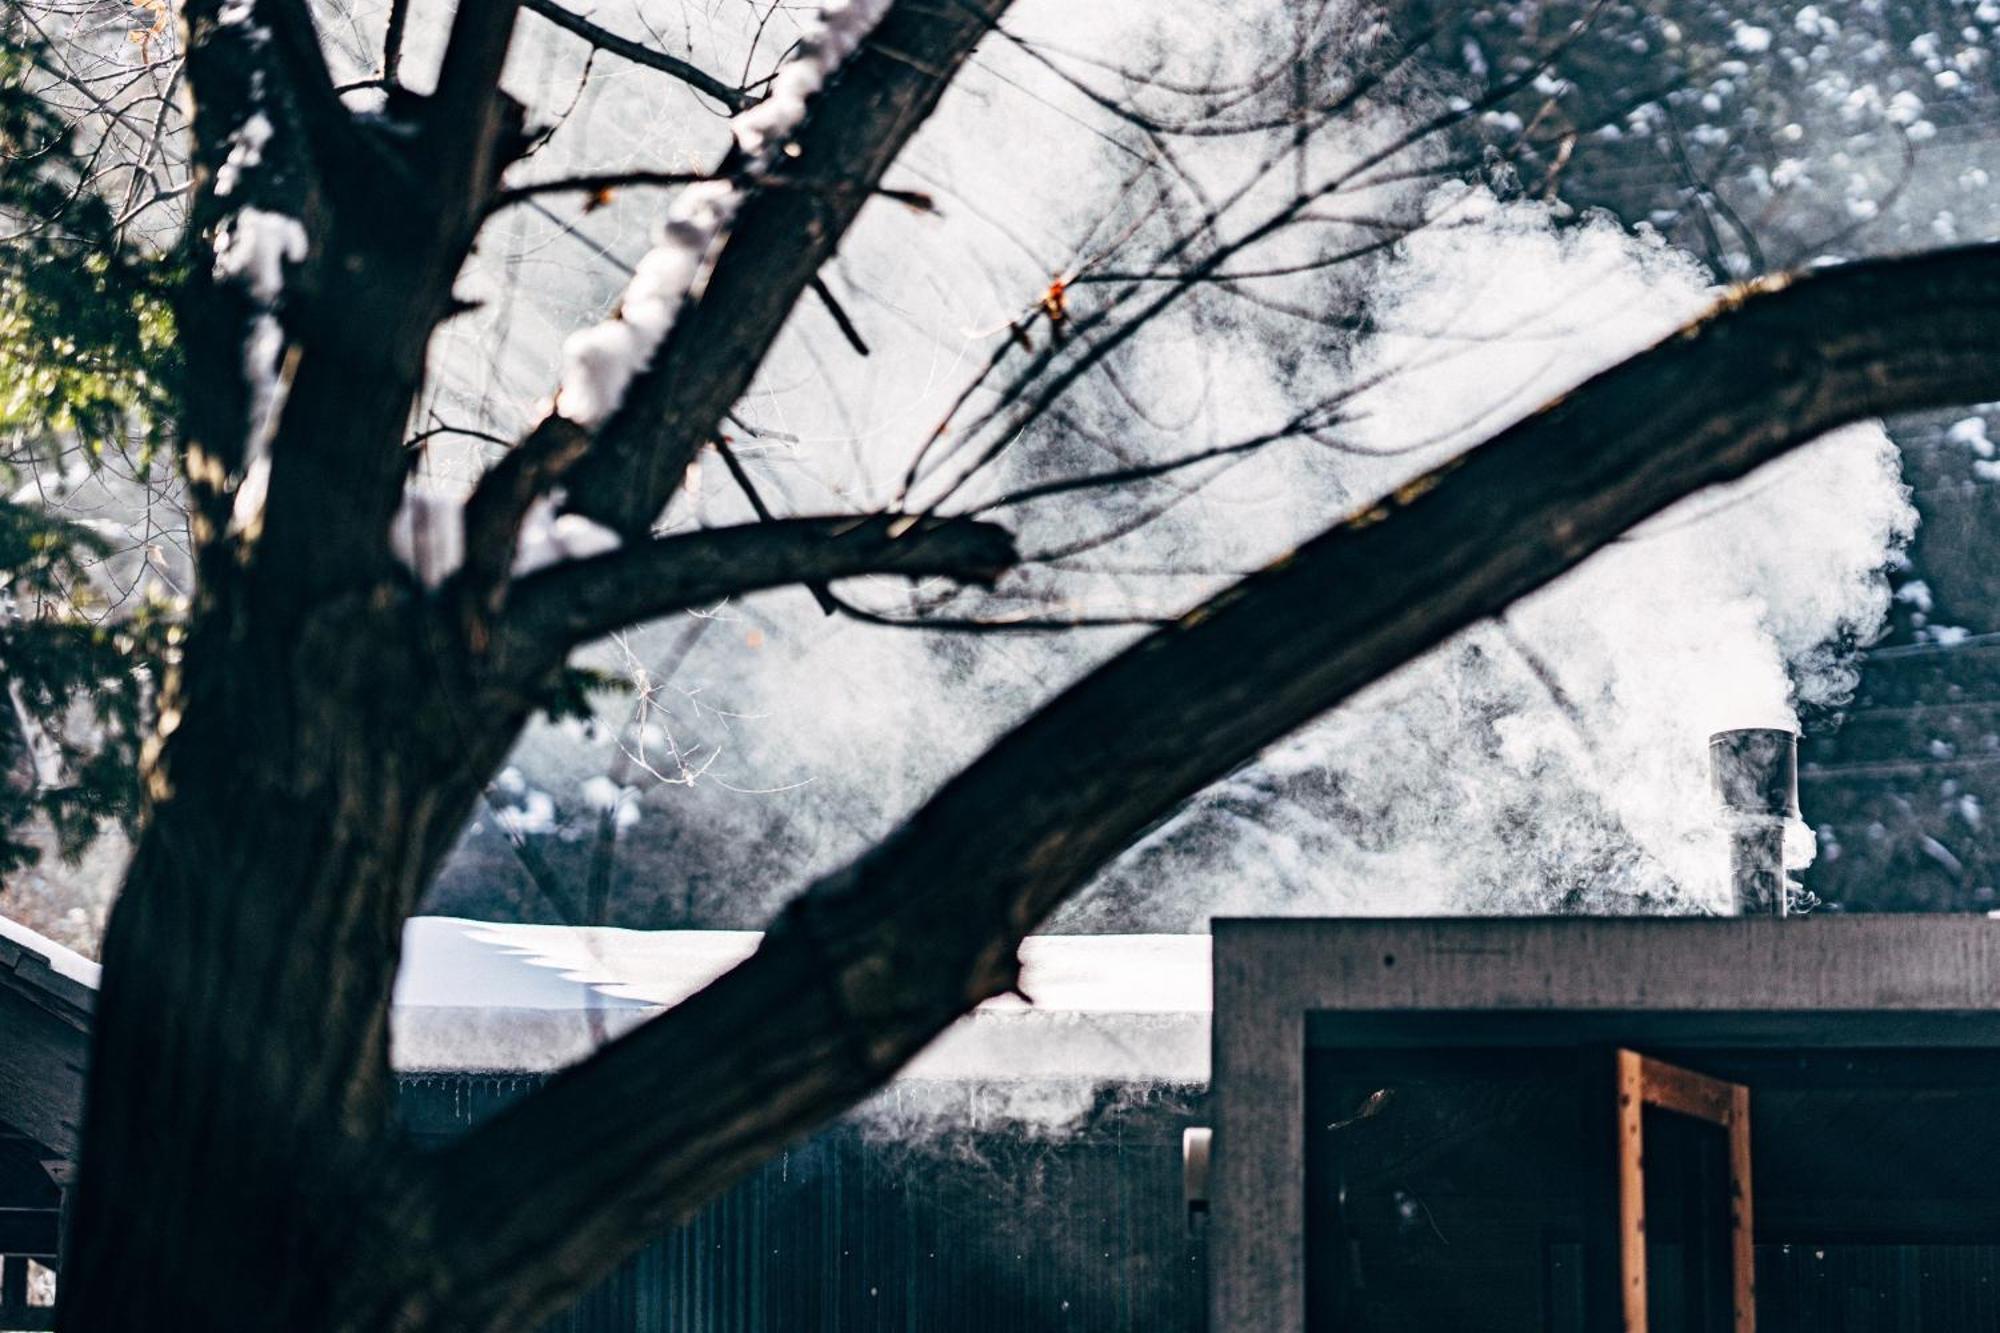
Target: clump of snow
[[246, 151], [842, 26], [428, 536], [1751, 39], [251, 251], [1905, 108], [599, 363], [1971, 433], [548, 537], [606, 797], [535, 816]]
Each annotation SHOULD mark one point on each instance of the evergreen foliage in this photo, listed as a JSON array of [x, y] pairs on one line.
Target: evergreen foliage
[[87, 367]]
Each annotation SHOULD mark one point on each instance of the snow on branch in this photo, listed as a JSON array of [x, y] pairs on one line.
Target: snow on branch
[[253, 245], [251, 251], [599, 363], [427, 536]]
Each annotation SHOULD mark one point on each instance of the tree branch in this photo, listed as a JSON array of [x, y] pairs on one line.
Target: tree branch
[[875, 960], [782, 235], [639, 54], [392, 43], [596, 183], [499, 504], [474, 52], [473, 128], [553, 610], [338, 466]]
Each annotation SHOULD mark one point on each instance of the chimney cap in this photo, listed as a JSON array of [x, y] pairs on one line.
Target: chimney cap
[[1756, 771]]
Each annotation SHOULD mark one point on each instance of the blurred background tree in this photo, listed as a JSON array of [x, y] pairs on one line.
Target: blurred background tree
[[86, 392]]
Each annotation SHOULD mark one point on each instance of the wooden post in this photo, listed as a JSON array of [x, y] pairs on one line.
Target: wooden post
[[1632, 1189], [1644, 1082], [1743, 1234]]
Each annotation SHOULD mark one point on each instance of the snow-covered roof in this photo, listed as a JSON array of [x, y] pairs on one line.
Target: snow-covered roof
[[473, 995], [477, 996], [61, 962]]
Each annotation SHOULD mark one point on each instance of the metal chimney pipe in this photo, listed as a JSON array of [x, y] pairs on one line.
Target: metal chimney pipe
[[1756, 772]]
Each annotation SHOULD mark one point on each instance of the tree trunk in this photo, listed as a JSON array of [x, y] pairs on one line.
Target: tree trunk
[[239, 1171]]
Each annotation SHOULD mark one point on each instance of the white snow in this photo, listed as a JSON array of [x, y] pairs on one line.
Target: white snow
[[474, 995], [606, 797], [548, 537], [428, 535], [1751, 39], [251, 250], [842, 26], [63, 962], [1971, 432], [535, 816], [601, 793], [600, 362], [246, 151]]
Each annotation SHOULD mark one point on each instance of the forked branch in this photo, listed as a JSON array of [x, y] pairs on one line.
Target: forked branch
[[778, 241]]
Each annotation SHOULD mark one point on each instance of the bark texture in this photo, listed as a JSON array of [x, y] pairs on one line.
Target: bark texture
[[332, 720]]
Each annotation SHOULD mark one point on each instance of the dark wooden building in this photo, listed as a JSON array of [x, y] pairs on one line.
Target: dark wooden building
[[46, 993], [1025, 1176], [1661, 1125]]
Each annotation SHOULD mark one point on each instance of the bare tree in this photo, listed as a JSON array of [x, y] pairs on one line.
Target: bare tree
[[358, 660]]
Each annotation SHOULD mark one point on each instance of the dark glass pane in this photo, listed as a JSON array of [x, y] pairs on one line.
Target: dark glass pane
[[1688, 1279]]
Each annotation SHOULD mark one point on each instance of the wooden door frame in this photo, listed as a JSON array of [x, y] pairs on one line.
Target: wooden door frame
[[1642, 1082]]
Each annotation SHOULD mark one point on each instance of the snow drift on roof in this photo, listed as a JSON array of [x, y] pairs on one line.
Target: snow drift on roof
[[475, 995]]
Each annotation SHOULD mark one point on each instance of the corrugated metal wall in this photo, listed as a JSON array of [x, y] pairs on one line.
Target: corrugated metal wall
[[1001, 1230]]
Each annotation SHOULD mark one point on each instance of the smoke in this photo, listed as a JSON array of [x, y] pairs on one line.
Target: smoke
[[1552, 760], [1555, 759]]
